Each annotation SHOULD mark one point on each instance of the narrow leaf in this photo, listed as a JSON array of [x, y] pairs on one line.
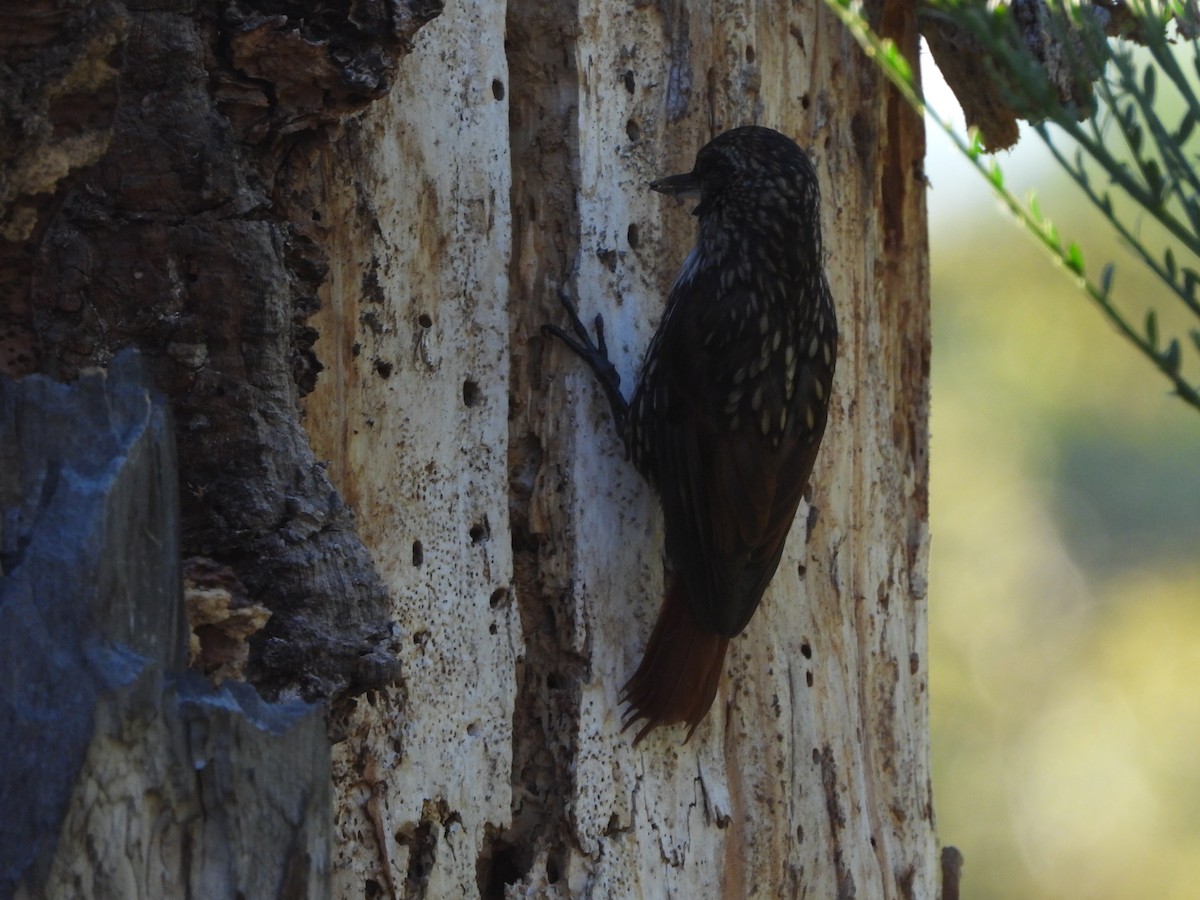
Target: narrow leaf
[[1185, 127], [1134, 134], [1169, 261], [895, 59], [975, 150], [1154, 181], [1074, 258], [1148, 85], [995, 176], [1106, 279], [1171, 356], [1152, 329], [1190, 280], [1195, 333]]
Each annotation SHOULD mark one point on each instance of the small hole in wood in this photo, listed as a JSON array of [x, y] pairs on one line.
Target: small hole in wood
[[424, 320], [498, 89], [480, 532], [631, 234], [418, 553], [806, 649], [749, 53], [633, 129], [471, 393], [630, 84], [808, 678], [499, 598]]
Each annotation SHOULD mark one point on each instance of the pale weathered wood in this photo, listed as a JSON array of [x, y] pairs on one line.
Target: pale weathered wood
[[500, 767]]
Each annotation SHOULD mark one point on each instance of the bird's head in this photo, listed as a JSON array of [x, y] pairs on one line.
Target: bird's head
[[749, 177]]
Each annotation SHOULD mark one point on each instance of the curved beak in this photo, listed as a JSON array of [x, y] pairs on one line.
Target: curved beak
[[684, 186]]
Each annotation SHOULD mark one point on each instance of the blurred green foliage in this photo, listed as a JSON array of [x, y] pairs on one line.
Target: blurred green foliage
[[1065, 573]]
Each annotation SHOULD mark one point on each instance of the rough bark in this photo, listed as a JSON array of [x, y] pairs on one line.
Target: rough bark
[[146, 201]]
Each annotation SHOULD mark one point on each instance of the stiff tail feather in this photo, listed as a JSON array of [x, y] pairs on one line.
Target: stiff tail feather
[[680, 670]]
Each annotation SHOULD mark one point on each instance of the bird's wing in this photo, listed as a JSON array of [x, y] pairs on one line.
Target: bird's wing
[[729, 495]]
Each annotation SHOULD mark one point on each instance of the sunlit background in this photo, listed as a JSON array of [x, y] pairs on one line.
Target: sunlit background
[[1065, 582]]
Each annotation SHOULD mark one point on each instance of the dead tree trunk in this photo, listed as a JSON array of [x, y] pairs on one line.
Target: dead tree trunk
[[523, 554], [448, 493]]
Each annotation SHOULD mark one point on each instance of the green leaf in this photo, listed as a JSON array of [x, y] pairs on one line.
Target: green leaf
[[895, 59], [1148, 85], [1154, 181], [1133, 133], [1035, 209], [975, 148], [1152, 329], [1106, 279], [1169, 261], [1190, 280], [1195, 333], [1171, 356], [1074, 258], [1185, 127], [995, 176]]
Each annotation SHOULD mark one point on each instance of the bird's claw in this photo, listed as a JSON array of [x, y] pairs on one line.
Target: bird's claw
[[594, 353]]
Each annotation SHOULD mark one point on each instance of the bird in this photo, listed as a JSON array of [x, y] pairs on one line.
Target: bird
[[729, 409]]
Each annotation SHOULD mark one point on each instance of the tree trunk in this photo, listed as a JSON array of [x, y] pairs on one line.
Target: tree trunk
[[501, 549], [524, 555]]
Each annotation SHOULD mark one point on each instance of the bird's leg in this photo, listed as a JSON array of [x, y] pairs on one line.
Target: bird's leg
[[596, 356]]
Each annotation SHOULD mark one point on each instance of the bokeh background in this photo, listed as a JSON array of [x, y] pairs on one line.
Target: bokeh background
[[1065, 570]]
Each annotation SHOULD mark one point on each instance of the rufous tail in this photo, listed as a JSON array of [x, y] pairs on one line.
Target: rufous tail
[[680, 670]]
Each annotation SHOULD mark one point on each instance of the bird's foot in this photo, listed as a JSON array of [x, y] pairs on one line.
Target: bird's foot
[[595, 354]]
